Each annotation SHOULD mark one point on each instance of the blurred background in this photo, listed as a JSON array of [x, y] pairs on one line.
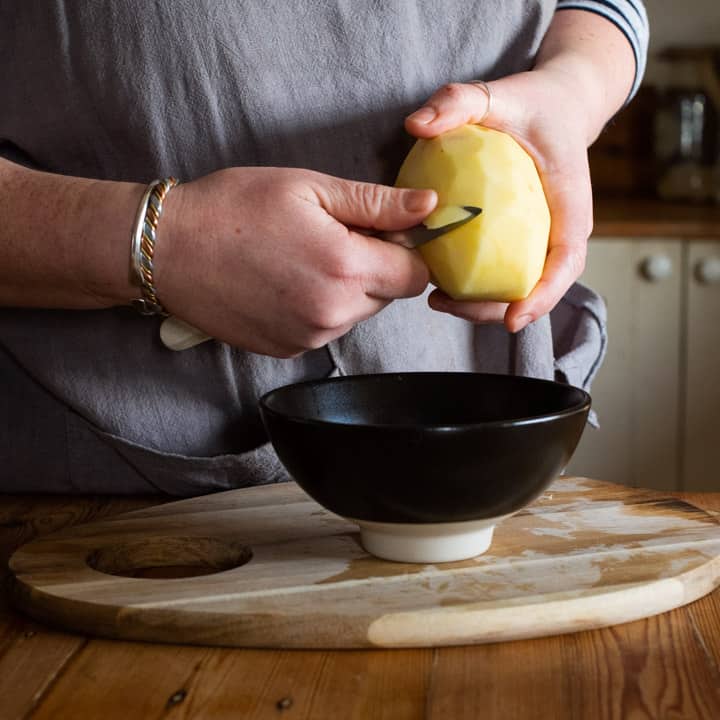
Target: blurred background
[[666, 143], [655, 257]]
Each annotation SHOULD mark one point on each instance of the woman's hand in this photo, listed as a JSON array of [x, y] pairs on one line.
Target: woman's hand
[[262, 258], [554, 111], [525, 106]]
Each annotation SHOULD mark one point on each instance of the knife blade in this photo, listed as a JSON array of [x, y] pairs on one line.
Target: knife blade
[[418, 235]]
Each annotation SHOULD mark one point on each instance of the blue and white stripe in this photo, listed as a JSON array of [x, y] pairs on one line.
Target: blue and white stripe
[[630, 17]]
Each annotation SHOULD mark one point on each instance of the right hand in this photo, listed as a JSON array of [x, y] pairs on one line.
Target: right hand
[[263, 258]]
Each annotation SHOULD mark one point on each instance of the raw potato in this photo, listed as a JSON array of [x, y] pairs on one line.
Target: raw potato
[[501, 253]]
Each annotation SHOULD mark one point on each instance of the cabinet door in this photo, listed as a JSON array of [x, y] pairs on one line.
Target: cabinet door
[[701, 447], [636, 391]]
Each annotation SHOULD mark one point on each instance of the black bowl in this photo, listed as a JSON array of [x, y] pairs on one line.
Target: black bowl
[[425, 447]]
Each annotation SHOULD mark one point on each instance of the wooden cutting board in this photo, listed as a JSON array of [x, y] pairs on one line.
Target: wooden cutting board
[[286, 573]]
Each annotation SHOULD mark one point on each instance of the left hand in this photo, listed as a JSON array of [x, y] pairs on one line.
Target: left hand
[[542, 111]]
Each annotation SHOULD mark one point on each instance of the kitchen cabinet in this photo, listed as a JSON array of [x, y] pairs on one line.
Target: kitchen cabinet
[[701, 424], [657, 394]]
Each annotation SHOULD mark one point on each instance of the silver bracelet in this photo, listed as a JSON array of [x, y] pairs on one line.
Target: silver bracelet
[[143, 245]]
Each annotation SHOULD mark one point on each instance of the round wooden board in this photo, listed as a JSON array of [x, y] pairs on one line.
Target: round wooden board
[[283, 572]]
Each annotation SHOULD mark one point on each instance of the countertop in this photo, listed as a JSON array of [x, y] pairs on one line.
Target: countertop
[[629, 217], [661, 667]]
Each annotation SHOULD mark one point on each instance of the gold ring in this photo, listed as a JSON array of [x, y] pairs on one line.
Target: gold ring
[[486, 88]]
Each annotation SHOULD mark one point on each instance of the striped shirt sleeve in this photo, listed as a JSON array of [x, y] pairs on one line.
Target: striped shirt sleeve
[[630, 17]]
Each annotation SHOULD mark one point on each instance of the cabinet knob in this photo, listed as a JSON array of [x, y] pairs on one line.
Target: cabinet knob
[[656, 267], [707, 271]]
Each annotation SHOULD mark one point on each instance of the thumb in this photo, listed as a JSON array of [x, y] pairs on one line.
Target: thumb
[[453, 105], [379, 207]]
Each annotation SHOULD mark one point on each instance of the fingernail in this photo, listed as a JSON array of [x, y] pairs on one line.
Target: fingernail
[[424, 115], [415, 200], [523, 321]]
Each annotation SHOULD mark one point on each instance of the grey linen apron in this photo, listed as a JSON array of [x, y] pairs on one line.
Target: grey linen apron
[[90, 401]]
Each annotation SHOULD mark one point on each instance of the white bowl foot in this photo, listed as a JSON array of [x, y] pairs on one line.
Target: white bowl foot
[[427, 542]]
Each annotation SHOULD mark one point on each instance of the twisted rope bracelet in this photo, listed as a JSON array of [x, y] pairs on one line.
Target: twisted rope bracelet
[[143, 245]]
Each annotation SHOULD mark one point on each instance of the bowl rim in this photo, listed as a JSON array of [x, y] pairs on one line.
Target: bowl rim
[[581, 407]]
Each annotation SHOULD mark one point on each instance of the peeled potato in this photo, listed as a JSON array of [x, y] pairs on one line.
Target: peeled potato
[[501, 253]]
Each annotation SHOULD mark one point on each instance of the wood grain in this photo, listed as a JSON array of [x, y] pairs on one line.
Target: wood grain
[[159, 681], [705, 616], [29, 665], [122, 680], [642, 670], [653, 668], [584, 555], [31, 655]]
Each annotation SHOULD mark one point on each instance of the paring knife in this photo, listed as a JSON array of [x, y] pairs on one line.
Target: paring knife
[[455, 216], [176, 334]]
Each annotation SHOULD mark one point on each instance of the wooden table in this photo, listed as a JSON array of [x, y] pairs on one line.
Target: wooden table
[[663, 667]]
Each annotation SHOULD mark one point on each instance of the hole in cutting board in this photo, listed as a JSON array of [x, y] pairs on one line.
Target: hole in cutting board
[[169, 557]]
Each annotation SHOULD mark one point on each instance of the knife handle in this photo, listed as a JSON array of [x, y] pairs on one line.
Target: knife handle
[[176, 334]]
